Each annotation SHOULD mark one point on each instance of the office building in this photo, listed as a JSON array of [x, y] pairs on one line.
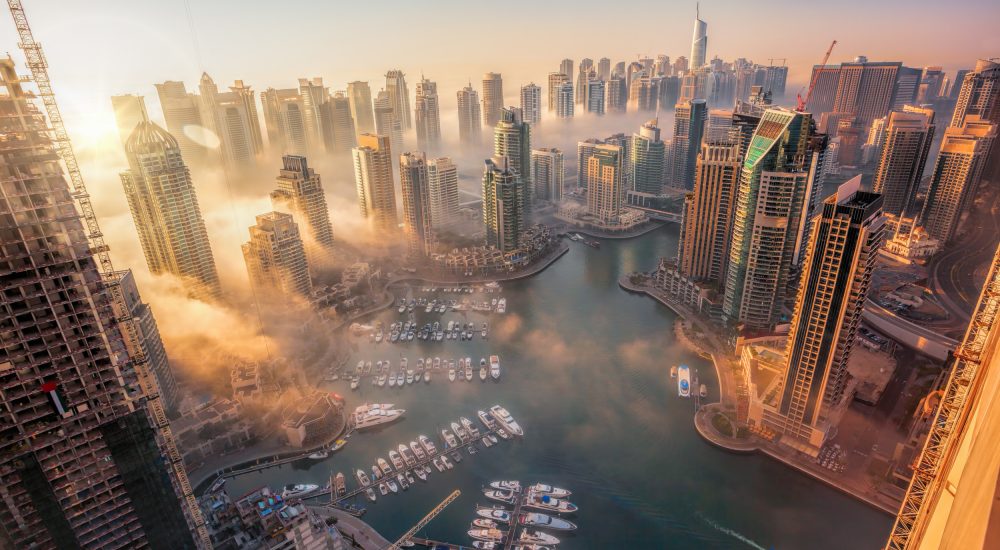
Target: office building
[[165, 211], [276, 259], [548, 170], [907, 140], [556, 80], [386, 121], [647, 155], [360, 96], [399, 98], [582, 77], [470, 127], [182, 114], [376, 188], [531, 103], [417, 213], [492, 98], [564, 100], [605, 183], [300, 193], [428, 116], [699, 43], [314, 96], [284, 120], [707, 227], [866, 90], [503, 205], [689, 126], [442, 180]]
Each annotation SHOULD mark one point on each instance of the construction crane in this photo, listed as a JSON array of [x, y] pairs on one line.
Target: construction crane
[[812, 83], [38, 66], [426, 519]]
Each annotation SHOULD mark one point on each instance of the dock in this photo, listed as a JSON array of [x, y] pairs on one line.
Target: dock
[[438, 544], [514, 523]]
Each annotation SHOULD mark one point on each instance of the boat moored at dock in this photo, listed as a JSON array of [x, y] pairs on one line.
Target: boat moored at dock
[[683, 381]]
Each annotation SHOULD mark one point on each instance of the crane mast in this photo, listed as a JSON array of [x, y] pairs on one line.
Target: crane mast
[[812, 84], [38, 66], [425, 520]]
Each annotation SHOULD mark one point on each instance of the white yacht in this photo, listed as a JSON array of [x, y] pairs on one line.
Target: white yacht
[[505, 420], [428, 445], [495, 367], [554, 492], [367, 416], [292, 491]]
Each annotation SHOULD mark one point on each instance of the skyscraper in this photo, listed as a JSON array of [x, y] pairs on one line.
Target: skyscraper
[[836, 274], [582, 76], [703, 251], [300, 193], [866, 90], [907, 140], [233, 117], [376, 188], [165, 211], [689, 125], [417, 207], [605, 183], [442, 180], [130, 110], [531, 103], [284, 120], [564, 100], [275, 257], [556, 81], [386, 121], [360, 96], [492, 98], [604, 68], [646, 158], [699, 43], [566, 67], [314, 95], [428, 116], [979, 93], [503, 205], [617, 93], [771, 219], [183, 117], [643, 93], [470, 127], [84, 461], [338, 126], [512, 140], [594, 101], [957, 172], [548, 170], [399, 97]]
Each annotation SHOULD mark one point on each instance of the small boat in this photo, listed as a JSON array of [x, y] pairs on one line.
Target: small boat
[[362, 478], [673, 371], [451, 375], [427, 444], [494, 514], [485, 544], [684, 381], [484, 523], [292, 491], [483, 373], [319, 455], [402, 481], [505, 497], [486, 419], [487, 442], [703, 390], [449, 439], [382, 488], [456, 456], [409, 478], [493, 438], [427, 377], [407, 454], [417, 451], [544, 489], [495, 367], [376, 473], [447, 463], [468, 369], [397, 460], [547, 503], [371, 494], [354, 383], [409, 377], [392, 485], [421, 474], [472, 449], [437, 464], [505, 420], [384, 466], [488, 535], [503, 433], [537, 537], [506, 485], [535, 519]]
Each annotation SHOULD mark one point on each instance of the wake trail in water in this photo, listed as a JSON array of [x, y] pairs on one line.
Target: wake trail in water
[[731, 533]]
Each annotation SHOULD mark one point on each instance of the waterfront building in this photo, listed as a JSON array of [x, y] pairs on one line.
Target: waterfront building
[[836, 275], [386, 121], [428, 116], [492, 98], [512, 141], [360, 96], [417, 213], [548, 171], [284, 120], [182, 114], [129, 110], [556, 80], [906, 143], [605, 183], [164, 206], [470, 128], [442, 181], [300, 193], [376, 188], [399, 98], [531, 103], [689, 126], [594, 100], [564, 100], [646, 157], [617, 94], [707, 226], [275, 257], [583, 151], [957, 172], [503, 205], [85, 460], [699, 43]]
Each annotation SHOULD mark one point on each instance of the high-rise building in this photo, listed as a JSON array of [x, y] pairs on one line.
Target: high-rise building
[[681, 65], [776, 191], [275, 257], [646, 158], [866, 90], [428, 116], [689, 126], [284, 120], [643, 93], [233, 117], [531, 103], [582, 77], [825, 79], [617, 93], [130, 110], [399, 97], [583, 151], [957, 172], [699, 43], [338, 126], [182, 114], [470, 127], [300, 193], [360, 96], [907, 140], [836, 275], [564, 100], [605, 183], [979, 95], [594, 100], [556, 80], [376, 188], [718, 125], [386, 121], [165, 211], [907, 87], [512, 140], [492, 98], [548, 170], [417, 206], [604, 68], [147, 339], [566, 67], [82, 463], [703, 251], [503, 205], [442, 180], [314, 95]]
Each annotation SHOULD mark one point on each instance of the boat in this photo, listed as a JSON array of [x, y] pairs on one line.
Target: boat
[[407, 455], [376, 473], [487, 442], [456, 456], [371, 494], [402, 481], [367, 416], [505, 497], [703, 390], [502, 305], [447, 463], [437, 363], [485, 544], [354, 383], [505, 420], [427, 377], [409, 478], [392, 485], [460, 432], [417, 451], [469, 427], [381, 380], [537, 537], [468, 369], [493, 438], [483, 373], [362, 478], [506, 485], [437, 464], [397, 460], [339, 484], [319, 455], [495, 367], [427, 444], [384, 466], [392, 379], [292, 491], [683, 381], [503, 433], [673, 371], [421, 474], [544, 489], [451, 374], [484, 523], [535, 519], [489, 535], [383, 488], [449, 439], [494, 514], [409, 377], [547, 503], [486, 419]]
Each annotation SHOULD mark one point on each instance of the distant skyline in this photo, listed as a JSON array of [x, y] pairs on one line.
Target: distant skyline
[[267, 44]]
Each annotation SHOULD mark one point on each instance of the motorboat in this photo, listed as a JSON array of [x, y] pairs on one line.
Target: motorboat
[[449, 439], [427, 377], [409, 478], [468, 369], [547, 503], [505, 420], [487, 442], [392, 379], [447, 463], [402, 481], [383, 488], [459, 431], [437, 464], [427, 444], [354, 383], [537, 537], [484, 523], [397, 460], [469, 427], [505, 497], [409, 376], [488, 535], [381, 380], [673, 371], [421, 474], [417, 450], [486, 544], [297, 490], [371, 494], [503, 433], [535, 519], [392, 485], [340, 484], [319, 455], [506, 485], [684, 381], [486, 419], [407, 455], [376, 473], [483, 373], [703, 390], [456, 456], [494, 514], [362, 478], [544, 489], [495, 367], [384, 466], [451, 374]]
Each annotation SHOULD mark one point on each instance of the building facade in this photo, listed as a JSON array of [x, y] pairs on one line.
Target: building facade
[[417, 213], [470, 127], [548, 171], [503, 205], [442, 180], [428, 116], [492, 98], [904, 145], [300, 193], [707, 227], [376, 188], [276, 258]]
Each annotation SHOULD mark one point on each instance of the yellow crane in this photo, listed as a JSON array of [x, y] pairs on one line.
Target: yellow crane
[[426, 519]]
